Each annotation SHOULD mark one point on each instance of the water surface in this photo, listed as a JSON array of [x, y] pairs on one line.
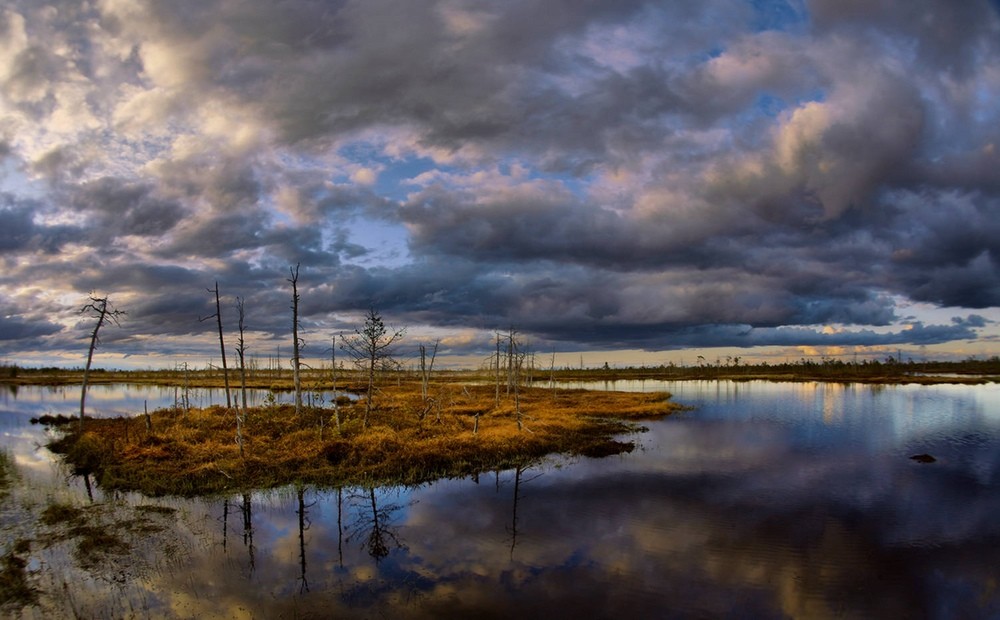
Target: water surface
[[767, 500]]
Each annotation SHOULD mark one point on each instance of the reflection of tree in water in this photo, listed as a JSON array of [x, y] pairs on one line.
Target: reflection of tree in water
[[90, 490], [519, 479], [225, 524], [304, 524], [374, 527], [247, 510], [340, 527]]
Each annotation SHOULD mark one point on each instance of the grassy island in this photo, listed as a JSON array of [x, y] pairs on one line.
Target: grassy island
[[457, 430]]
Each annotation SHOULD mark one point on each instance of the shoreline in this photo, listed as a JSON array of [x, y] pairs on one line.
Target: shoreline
[[971, 373]]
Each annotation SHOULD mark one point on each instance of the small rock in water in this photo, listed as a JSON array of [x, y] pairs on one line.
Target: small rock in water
[[923, 458]]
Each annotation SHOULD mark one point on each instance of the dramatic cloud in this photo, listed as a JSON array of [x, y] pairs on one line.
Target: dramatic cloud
[[601, 175]]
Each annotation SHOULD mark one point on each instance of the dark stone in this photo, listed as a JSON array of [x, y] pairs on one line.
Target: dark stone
[[923, 458]]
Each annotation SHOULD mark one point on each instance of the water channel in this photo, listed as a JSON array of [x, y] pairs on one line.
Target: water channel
[[765, 500]]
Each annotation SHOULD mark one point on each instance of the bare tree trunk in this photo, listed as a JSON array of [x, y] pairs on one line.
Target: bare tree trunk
[[423, 372], [426, 369], [510, 360], [222, 347], [241, 351], [296, 376], [187, 389], [497, 399], [98, 308], [241, 414], [517, 398], [371, 389], [552, 373], [333, 366], [90, 357], [222, 343]]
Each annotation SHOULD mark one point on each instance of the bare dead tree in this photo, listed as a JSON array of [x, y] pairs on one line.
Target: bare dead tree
[[222, 343], [426, 368], [514, 358], [241, 413], [510, 359], [552, 373], [371, 347], [333, 378], [296, 341], [99, 309], [497, 398], [517, 363], [241, 349]]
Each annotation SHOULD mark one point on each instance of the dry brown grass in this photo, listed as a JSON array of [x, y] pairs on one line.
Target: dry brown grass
[[407, 441]]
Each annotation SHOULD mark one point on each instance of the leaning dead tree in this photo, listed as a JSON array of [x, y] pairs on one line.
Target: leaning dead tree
[[426, 368], [222, 343], [99, 309], [296, 341]]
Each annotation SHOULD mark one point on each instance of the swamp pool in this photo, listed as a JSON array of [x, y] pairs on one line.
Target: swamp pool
[[765, 500]]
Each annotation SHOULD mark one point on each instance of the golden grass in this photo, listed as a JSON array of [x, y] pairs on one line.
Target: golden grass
[[407, 440]]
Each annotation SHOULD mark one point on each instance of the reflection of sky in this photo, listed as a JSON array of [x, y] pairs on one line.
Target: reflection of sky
[[767, 500], [830, 414], [119, 399]]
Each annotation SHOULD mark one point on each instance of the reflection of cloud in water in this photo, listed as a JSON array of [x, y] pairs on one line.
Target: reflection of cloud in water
[[684, 544], [709, 517]]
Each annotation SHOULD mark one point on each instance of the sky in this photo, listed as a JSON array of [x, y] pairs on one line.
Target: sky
[[623, 181]]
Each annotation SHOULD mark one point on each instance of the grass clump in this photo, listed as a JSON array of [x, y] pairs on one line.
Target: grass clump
[[8, 473], [15, 589], [101, 533], [94, 540], [197, 453]]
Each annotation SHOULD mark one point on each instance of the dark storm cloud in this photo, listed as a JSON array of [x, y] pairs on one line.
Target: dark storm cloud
[[19, 232], [948, 250], [948, 36], [120, 209], [17, 329], [598, 173], [16, 228]]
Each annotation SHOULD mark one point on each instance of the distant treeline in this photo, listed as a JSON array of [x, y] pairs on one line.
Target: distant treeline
[[272, 376], [888, 369]]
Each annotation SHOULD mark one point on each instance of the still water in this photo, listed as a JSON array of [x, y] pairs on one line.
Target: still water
[[766, 500]]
